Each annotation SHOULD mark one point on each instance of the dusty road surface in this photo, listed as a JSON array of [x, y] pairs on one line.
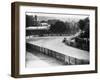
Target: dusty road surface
[[36, 59]]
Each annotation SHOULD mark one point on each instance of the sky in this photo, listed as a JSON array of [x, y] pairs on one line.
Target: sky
[[63, 17]]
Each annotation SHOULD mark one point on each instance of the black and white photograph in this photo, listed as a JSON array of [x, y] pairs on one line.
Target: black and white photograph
[[55, 39], [51, 39]]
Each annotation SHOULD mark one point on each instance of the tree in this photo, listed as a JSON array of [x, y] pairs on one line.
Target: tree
[[81, 24], [84, 26], [58, 27], [87, 29]]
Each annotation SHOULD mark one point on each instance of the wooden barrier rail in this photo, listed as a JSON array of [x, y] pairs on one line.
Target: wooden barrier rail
[[64, 58]]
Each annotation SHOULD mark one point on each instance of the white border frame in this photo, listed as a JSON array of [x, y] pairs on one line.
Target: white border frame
[[69, 68]]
